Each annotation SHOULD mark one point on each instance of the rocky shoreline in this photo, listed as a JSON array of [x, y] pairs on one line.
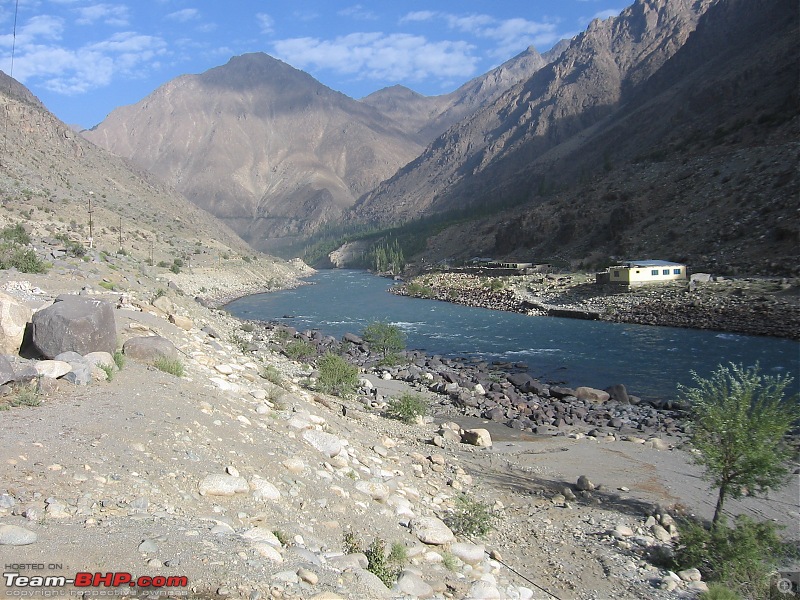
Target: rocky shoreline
[[765, 307], [504, 392]]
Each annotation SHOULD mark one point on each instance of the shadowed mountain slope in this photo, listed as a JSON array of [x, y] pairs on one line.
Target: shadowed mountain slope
[[645, 138]]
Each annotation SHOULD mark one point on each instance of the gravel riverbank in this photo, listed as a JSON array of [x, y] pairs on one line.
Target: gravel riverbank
[[768, 307]]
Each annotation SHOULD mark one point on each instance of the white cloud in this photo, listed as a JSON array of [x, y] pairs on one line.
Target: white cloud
[[182, 16], [110, 14], [42, 27], [420, 15], [605, 14], [72, 71], [509, 36], [374, 55], [357, 11], [266, 23]]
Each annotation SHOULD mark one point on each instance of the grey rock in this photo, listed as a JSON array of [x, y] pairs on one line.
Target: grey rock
[[6, 370], [80, 370], [222, 485], [328, 444], [431, 530], [584, 484], [74, 324], [411, 584], [13, 535], [148, 547], [149, 348]]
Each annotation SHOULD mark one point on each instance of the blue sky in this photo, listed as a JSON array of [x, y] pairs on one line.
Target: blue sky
[[83, 58]]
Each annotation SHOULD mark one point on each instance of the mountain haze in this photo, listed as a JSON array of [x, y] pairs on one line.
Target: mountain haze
[[49, 176], [276, 154], [426, 117], [261, 145]]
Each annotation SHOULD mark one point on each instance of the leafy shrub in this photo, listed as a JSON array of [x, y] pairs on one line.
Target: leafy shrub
[[407, 408], [109, 371], [470, 517], [419, 290], [742, 557], [119, 359], [352, 543], [719, 592], [299, 349], [22, 259], [380, 565], [23, 396], [173, 366], [336, 376], [15, 234], [271, 374]]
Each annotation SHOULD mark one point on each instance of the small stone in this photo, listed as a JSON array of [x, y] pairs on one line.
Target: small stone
[[661, 534], [268, 551], [584, 484], [264, 490], [377, 490], [622, 531], [326, 443], [222, 485], [13, 535], [411, 584], [431, 530], [148, 547], [471, 554], [690, 575], [307, 576], [477, 437], [224, 369], [697, 586]]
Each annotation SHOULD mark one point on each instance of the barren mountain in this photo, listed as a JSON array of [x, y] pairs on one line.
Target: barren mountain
[[261, 145], [585, 84], [50, 177], [641, 123], [426, 117]]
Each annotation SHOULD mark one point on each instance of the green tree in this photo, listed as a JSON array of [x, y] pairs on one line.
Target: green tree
[[739, 421], [384, 337]]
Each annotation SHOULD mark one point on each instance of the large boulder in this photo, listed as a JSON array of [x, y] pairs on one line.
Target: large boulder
[[14, 317], [149, 348], [74, 324], [592, 395]]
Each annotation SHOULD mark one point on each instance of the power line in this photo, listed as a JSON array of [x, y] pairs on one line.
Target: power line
[[11, 73], [518, 574]]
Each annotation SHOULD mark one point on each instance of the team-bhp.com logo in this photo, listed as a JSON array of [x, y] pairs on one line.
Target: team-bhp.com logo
[[94, 580]]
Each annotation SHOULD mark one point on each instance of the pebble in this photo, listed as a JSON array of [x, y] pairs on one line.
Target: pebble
[[308, 576], [222, 485]]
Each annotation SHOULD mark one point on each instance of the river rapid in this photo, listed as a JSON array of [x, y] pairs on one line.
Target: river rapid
[[649, 360]]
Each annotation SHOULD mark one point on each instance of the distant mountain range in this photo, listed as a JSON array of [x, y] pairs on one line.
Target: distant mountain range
[[669, 131], [274, 153]]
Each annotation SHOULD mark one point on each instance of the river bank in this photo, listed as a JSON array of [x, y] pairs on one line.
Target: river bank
[[765, 307]]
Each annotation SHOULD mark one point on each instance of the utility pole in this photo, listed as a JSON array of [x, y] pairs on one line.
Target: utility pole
[[91, 237], [120, 234]]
